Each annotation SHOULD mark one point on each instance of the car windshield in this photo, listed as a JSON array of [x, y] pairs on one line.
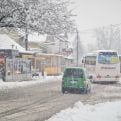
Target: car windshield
[[108, 58], [74, 73]]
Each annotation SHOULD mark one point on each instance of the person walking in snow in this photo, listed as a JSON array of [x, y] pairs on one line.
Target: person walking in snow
[[3, 73]]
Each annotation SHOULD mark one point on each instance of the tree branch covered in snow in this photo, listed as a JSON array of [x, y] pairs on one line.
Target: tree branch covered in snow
[[7, 9], [44, 16]]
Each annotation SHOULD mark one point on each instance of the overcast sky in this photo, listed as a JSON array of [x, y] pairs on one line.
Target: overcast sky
[[94, 13]]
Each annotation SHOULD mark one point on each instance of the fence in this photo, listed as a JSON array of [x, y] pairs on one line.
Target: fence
[[17, 69]]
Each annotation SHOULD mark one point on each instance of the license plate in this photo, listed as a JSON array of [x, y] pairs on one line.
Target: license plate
[[73, 82]]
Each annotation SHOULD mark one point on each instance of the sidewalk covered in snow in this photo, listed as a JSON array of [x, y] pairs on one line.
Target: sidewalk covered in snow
[[109, 111], [35, 80]]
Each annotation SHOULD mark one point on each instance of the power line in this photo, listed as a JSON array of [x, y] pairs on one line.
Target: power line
[[92, 29]]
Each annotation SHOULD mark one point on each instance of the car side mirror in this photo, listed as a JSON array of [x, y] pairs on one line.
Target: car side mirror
[[90, 77]]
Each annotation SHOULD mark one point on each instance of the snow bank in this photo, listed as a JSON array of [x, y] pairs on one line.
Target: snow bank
[[36, 80], [109, 111]]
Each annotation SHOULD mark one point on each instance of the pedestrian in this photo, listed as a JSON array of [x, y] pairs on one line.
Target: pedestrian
[[3, 73]]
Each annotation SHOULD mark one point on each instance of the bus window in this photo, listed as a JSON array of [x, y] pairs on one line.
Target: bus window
[[108, 58], [90, 60]]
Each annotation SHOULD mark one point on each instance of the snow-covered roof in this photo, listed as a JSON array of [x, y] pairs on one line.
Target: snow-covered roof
[[69, 57], [37, 38], [47, 54], [35, 50], [7, 43]]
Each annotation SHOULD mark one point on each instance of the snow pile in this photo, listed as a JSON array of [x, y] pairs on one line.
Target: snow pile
[[37, 80], [10, 85], [109, 111]]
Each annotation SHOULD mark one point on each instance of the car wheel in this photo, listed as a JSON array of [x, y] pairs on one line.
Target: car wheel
[[85, 91], [89, 90], [63, 90]]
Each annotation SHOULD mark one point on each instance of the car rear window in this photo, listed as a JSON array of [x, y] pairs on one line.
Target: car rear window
[[74, 73]]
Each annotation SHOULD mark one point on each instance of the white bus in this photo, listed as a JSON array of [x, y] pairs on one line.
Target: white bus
[[89, 62], [104, 65]]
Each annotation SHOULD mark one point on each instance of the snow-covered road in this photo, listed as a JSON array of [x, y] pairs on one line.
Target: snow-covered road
[[107, 111], [39, 100]]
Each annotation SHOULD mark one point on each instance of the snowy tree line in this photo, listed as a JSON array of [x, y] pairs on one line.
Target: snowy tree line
[[108, 38], [44, 16], [50, 17]]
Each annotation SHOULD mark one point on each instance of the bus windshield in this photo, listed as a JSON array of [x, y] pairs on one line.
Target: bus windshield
[[108, 58], [90, 60]]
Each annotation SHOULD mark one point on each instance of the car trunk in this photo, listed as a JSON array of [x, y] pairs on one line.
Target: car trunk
[[74, 82]]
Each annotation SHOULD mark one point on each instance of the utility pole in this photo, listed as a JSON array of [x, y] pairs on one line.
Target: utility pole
[[77, 51], [111, 32], [119, 40], [26, 24], [26, 38]]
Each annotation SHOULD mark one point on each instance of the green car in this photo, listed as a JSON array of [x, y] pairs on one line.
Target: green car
[[76, 79]]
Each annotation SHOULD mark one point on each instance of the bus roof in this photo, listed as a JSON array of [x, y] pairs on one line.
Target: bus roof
[[94, 53], [106, 50], [90, 54]]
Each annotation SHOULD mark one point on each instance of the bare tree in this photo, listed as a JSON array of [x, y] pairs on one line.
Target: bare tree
[[108, 38]]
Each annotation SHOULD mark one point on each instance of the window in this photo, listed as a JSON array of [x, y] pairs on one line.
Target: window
[[74, 73], [108, 58], [90, 60]]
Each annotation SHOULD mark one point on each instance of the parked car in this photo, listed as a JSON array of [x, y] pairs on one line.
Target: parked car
[[76, 79], [36, 74]]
